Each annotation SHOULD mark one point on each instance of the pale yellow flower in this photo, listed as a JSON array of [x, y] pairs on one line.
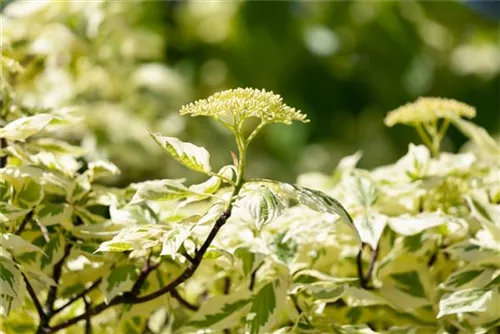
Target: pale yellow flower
[[242, 103], [428, 109]]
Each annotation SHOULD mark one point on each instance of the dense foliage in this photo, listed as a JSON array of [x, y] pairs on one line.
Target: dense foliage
[[126, 64], [414, 246]]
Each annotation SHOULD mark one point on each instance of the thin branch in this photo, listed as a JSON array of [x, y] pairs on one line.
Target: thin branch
[[24, 223], [146, 270], [3, 159], [227, 285], [33, 296], [188, 257], [56, 275], [372, 264], [188, 272], [251, 285], [78, 296], [365, 278], [359, 263], [88, 323], [129, 298], [175, 294]]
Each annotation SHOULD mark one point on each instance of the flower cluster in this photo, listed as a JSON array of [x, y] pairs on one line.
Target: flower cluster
[[242, 103], [428, 109]]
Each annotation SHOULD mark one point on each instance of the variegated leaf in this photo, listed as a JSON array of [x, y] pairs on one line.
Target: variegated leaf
[[221, 312], [321, 202], [263, 206], [266, 305], [17, 244], [10, 212], [119, 280], [134, 238], [100, 169], [54, 214], [173, 240], [370, 225], [160, 190], [470, 300], [25, 127], [191, 156], [11, 286]]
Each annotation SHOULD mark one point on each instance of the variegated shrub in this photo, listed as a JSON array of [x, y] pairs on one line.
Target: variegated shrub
[[413, 248]]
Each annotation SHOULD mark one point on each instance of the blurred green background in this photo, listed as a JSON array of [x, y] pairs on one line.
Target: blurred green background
[[126, 65]]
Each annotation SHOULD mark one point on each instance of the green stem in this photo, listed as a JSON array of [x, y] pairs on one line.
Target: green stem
[[255, 132], [427, 141]]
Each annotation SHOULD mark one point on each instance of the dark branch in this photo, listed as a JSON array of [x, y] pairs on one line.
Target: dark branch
[[359, 263], [24, 223], [146, 270], [78, 296], [56, 275], [3, 159], [227, 285], [251, 285], [187, 256], [183, 302], [33, 296], [130, 298], [189, 271], [372, 265], [88, 323], [364, 279]]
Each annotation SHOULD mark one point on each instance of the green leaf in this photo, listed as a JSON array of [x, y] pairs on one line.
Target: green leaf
[[11, 286], [191, 156], [173, 240], [221, 312], [118, 280], [266, 305], [321, 202], [24, 127], [48, 214], [263, 205], [470, 300], [160, 190]]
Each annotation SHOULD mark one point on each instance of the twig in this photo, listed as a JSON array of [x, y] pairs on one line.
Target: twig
[[78, 296], [24, 223], [56, 275], [359, 263], [187, 256], [372, 264], [227, 285], [129, 298], [364, 279], [253, 276], [33, 296], [174, 293], [3, 159], [88, 323]]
